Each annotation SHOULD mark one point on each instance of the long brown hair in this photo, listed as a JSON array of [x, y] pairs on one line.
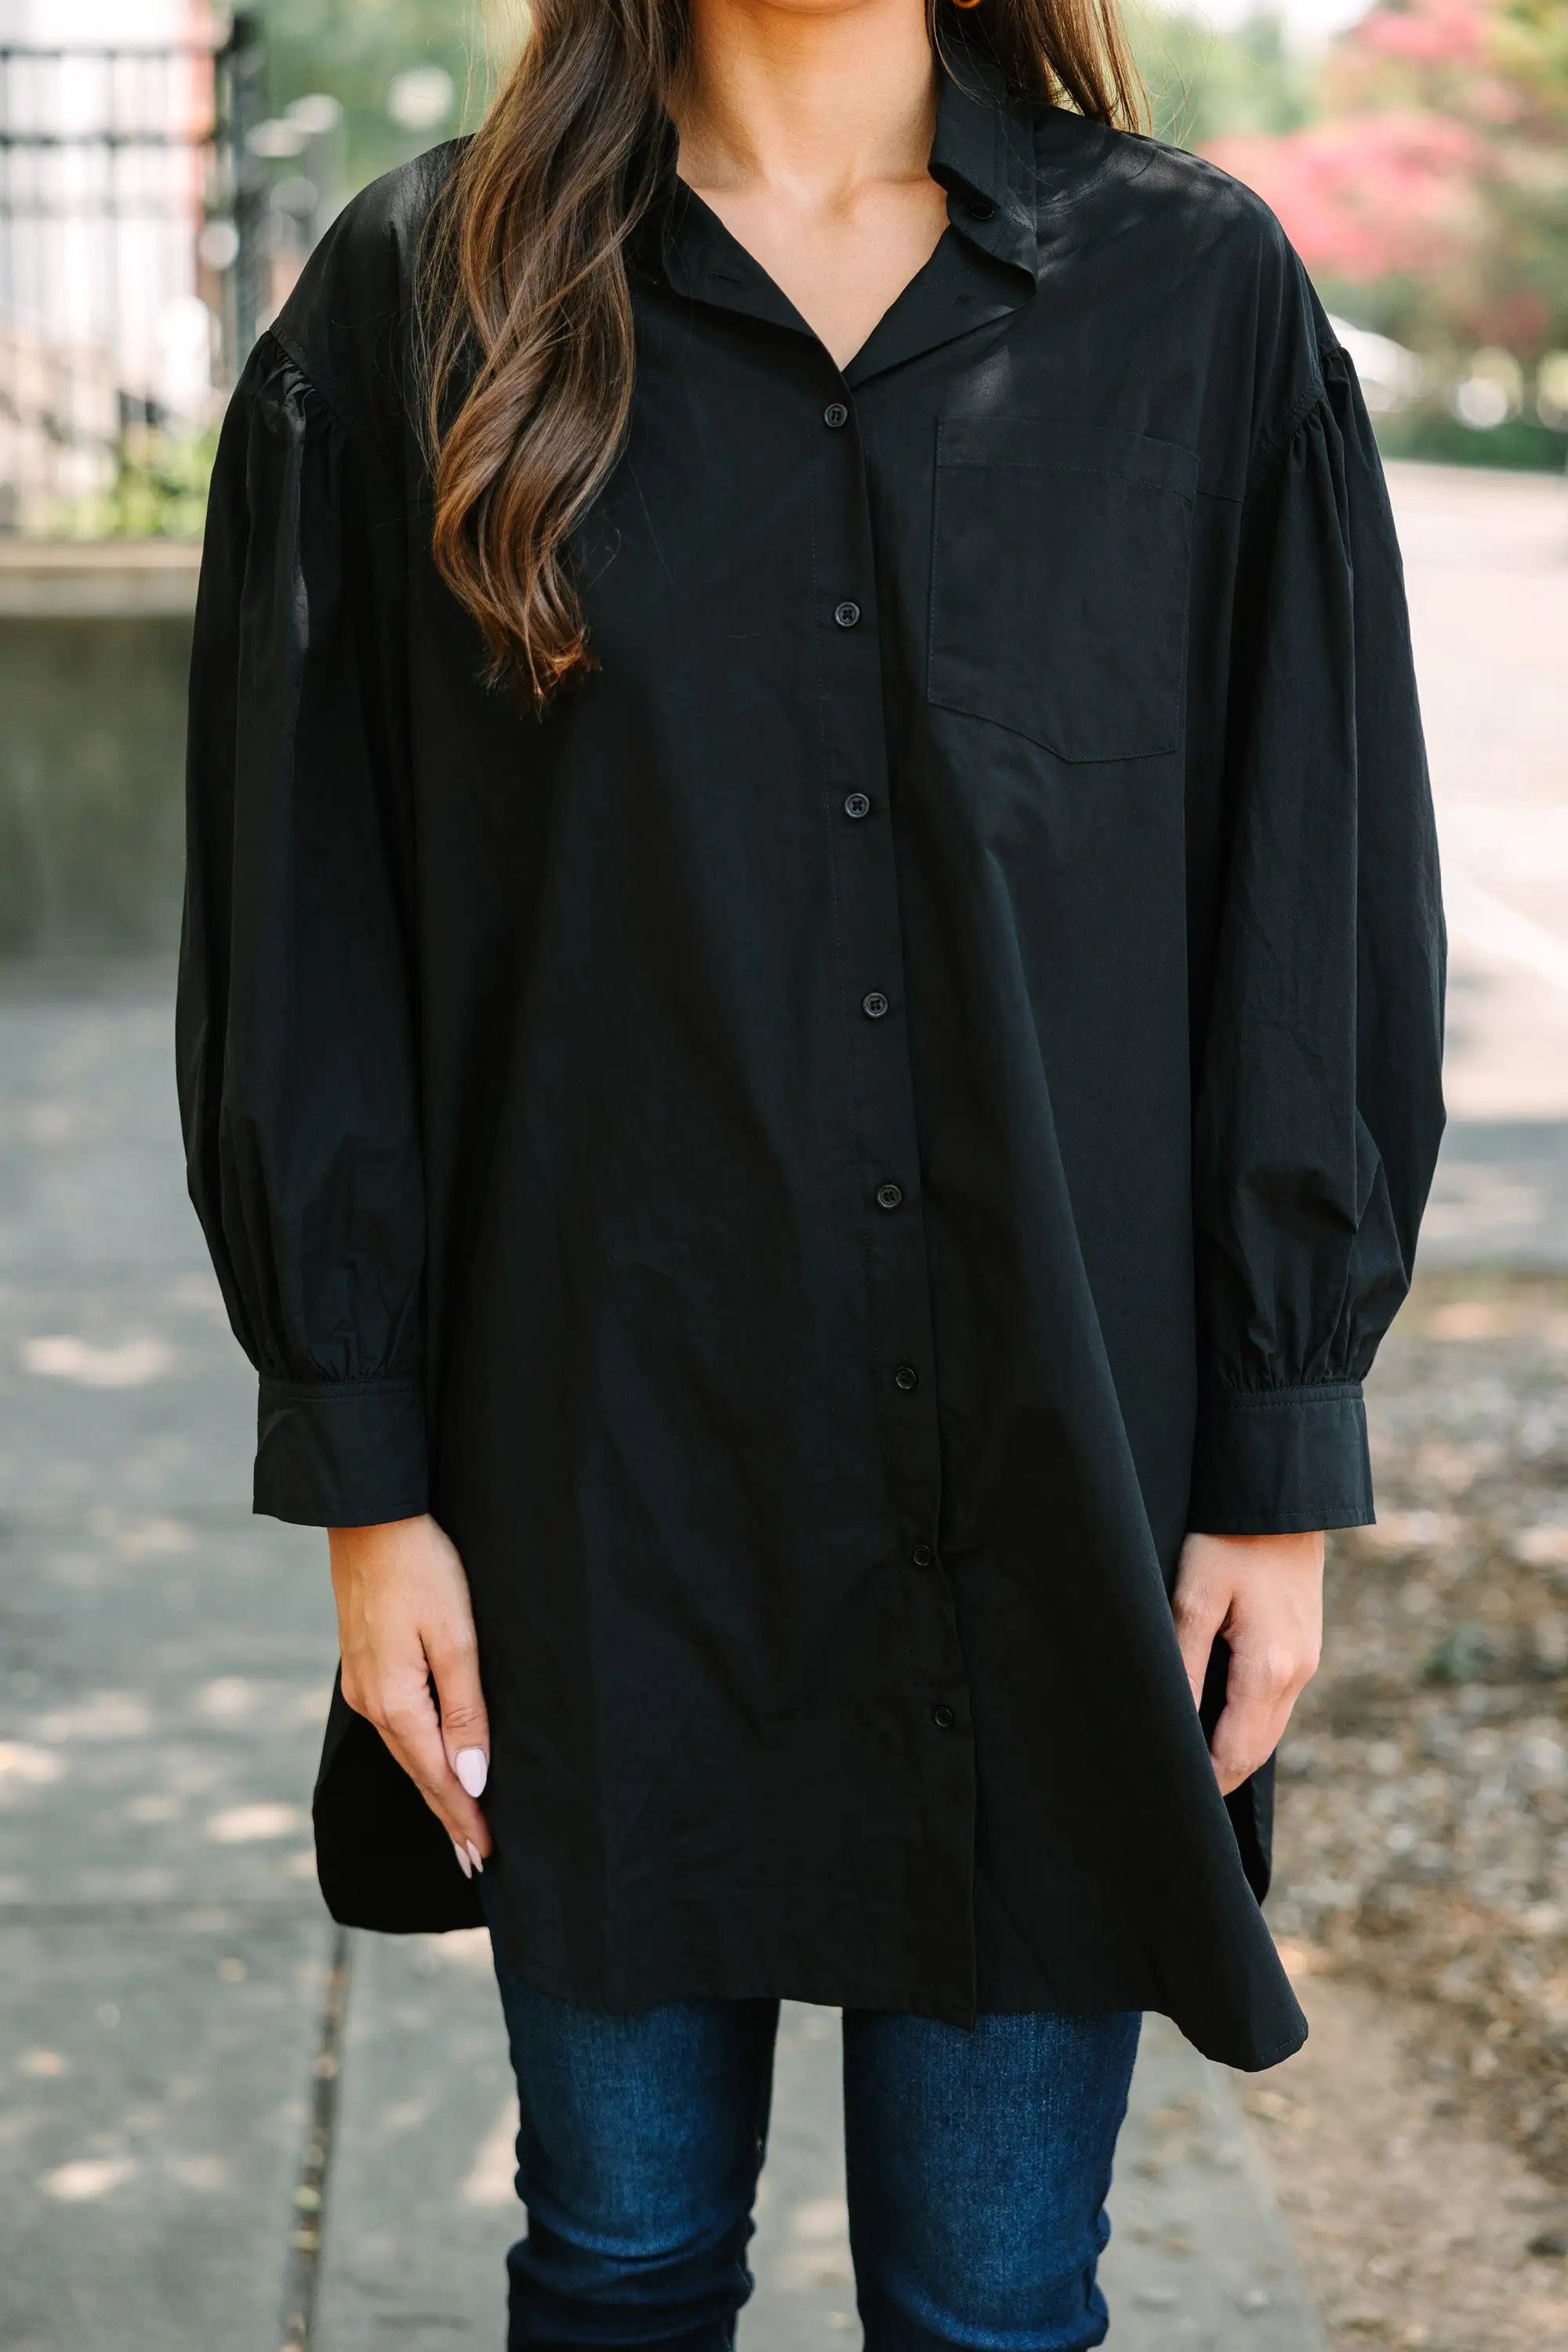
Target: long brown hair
[[525, 314]]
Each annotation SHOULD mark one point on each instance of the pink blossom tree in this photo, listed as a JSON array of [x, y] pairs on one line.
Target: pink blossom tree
[[1433, 184]]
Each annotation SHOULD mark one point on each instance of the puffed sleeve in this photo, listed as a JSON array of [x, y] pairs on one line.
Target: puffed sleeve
[[296, 1029], [1318, 1105]]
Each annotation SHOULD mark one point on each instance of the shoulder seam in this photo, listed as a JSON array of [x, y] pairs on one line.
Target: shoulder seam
[[320, 382]]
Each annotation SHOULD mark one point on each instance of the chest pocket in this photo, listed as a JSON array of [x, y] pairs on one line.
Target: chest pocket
[[1059, 600]]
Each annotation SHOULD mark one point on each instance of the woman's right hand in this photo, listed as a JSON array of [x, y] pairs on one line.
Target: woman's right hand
[[405, 1617]]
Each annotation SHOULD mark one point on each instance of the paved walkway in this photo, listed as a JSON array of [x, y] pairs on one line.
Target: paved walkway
[[172, 2071], [176, 2085], [1487, 564]]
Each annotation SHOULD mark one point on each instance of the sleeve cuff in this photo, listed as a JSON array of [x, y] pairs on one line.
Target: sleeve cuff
[[1275, 1461], [341, 1455]]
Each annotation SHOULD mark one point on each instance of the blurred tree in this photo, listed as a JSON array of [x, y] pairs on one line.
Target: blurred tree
[[1531, 43], [365, 54], [1202, 82], [1430, 197]]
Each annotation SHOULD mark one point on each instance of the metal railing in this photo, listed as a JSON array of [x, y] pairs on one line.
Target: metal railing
[[133, 274]]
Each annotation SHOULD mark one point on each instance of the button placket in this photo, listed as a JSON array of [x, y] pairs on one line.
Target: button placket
[[867, 898], [871, 957]]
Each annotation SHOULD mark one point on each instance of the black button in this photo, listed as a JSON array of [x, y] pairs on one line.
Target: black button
[[980, 209], [906, 1378], [923, 1556], [856, 805], [943, 1718], [888, 1195], [847, 614], [873, 1004], [835, 414]]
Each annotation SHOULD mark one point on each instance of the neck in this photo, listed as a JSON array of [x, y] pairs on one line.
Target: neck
[[815, 98]]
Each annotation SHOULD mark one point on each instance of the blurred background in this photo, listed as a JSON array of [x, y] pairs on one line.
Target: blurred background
[[222, 2125]]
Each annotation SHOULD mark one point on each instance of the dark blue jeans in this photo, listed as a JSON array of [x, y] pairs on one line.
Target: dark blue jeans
[[978, 2166]]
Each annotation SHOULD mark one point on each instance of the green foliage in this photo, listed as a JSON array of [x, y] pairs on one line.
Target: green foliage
[[1203, 83], [1430, 431], [160, 489], [1461, 1656], [353, 49], [1530, 42]]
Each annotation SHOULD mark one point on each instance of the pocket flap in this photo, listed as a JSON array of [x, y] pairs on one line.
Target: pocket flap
[[1034, 441]]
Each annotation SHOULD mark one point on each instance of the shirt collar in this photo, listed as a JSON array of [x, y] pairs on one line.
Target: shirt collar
[[982, 155]]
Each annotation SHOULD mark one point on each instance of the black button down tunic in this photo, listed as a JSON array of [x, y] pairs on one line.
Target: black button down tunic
[[907, 1090]]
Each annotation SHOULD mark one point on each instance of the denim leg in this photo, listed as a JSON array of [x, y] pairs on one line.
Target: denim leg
[[979, 2164], [640, 2140]]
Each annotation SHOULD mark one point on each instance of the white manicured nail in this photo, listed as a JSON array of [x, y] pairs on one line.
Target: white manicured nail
[[473, 1769], [475, 1856], [464, 1864]]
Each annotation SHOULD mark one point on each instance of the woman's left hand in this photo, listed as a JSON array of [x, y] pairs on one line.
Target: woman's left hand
[[1265, 1594]]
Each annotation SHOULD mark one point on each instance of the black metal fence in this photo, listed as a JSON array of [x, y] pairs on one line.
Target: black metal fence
[[133, 214]]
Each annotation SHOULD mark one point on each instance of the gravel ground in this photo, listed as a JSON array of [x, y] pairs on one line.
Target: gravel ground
[[1423, 1846], [1412, 2222]]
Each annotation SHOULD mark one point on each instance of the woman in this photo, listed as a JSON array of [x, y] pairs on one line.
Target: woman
[[810, 1052]]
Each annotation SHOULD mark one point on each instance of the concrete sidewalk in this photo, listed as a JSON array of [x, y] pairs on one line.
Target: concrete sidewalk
[[175, 2093]]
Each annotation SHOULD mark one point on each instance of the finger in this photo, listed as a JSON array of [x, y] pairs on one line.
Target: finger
[[1199, 1609], [465, 1722], [1243, 1739], [1261, 1688], [411, 1728]]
